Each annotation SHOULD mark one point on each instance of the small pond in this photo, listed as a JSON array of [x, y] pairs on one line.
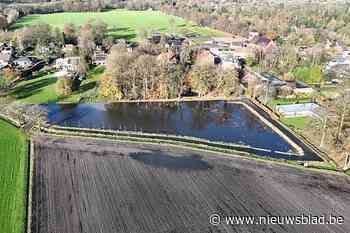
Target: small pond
[[217, 121]]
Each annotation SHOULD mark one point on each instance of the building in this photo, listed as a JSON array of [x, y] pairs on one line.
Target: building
[[23, 63], [299, 88], [99, 57], [167, 57], [69, 49], [339, 61], [264, 45], [271, 80], [6, 55], [205, 56], [299, 110], [68, 64]]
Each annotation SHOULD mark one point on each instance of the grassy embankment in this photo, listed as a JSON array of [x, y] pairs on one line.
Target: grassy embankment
[[122, 23], [43, 89], [13, 178]]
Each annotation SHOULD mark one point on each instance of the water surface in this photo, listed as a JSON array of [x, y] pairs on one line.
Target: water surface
[[217, 121]]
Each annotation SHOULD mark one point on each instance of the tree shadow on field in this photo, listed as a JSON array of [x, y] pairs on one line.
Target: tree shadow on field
[[160, 159], [24, 21], [32, 88], [122, 33], [86, 87]]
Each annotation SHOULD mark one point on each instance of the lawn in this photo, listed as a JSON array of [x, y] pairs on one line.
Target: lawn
[[43, 89], [347, 172], [298, 123], [122, 23], [13, 179], [285, 101]]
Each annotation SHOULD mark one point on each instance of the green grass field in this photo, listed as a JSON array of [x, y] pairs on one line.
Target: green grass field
[[13, 179], [298, 123], [285, 101], [43, 89], [347, 172], [122, 23]]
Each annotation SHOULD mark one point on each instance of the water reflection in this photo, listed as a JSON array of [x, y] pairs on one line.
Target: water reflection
[[212, 120]]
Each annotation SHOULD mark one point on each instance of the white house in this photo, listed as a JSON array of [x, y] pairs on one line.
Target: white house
[[68, 64]]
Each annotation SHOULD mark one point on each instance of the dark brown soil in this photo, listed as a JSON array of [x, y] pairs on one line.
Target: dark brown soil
[[95, 186]]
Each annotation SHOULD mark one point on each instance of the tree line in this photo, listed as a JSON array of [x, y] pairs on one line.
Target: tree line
[[142, 75]]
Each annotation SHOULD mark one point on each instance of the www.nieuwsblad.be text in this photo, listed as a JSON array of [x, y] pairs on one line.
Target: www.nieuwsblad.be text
[[216, 219]]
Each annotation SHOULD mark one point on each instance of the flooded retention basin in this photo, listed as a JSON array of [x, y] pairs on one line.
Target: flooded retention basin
[[217, 121]]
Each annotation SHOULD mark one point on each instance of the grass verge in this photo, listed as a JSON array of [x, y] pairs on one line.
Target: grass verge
[[13, 177]]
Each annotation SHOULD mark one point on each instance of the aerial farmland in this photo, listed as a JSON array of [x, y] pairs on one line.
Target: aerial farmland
[[174, 116], [79, 187]]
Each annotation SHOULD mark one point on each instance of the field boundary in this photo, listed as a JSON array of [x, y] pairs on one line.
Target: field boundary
[[215, 151], [10, 120], [30, 187], [165, 138]]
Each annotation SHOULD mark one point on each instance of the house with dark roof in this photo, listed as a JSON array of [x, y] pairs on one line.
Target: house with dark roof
[[264, 45]]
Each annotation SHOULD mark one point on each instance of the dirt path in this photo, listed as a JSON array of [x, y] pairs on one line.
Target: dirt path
[[87, 185]]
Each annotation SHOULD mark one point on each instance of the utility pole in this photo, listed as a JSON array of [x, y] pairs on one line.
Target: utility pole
[[324, 129], [267, 91], [344, 112]]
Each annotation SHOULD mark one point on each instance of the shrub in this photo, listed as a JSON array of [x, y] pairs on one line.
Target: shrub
[[64, 86], [109, 89]]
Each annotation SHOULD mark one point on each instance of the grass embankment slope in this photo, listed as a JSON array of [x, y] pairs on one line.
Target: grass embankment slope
[[42, 90], [122, 23], [13, 178]]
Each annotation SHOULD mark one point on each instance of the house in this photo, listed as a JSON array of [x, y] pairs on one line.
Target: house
[[339, 61], [253, 35], [169, 56], [264, 45], [23, 63], [131, 46], [174, 42], [68, 64], [264, 78], [155, 38], [99, 57], [205, 56], [271, 80], [6, 55], [300, 88], [69, 49]]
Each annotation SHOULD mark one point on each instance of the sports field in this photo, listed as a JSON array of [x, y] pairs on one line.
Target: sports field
[[13, 179], [122, 23]]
